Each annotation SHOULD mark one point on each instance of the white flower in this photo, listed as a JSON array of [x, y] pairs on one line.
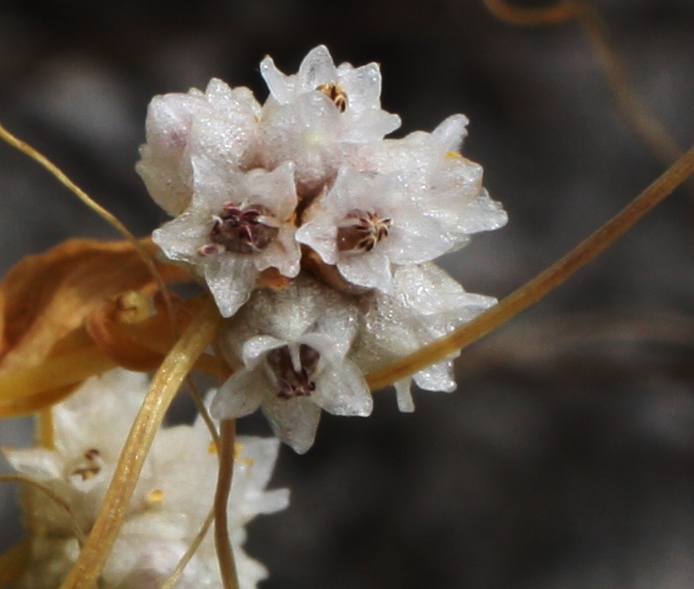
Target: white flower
[[171, 501], [355, 92], [220, 123], [425, 304], [237, 225], [318, 117], [448, 186], [294, 345], [365, 223]]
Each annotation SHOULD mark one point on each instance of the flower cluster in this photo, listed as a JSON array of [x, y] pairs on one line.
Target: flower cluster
[[314, 234], [172, 499]]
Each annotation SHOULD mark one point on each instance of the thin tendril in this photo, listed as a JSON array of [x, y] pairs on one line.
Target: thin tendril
[[109, 217], [192, 549], [533, 291], [55, 497], [196, 337], [636, 113], [225, 552]]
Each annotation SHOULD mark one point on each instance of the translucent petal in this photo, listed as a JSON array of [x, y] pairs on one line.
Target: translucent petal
[[281, 87], [240, 395], [316, 69], [369, 269], [342, 390], [274, 190], [438, 377], [231, 279], [294, 421], [255, 348], [320, 234], [450, 133], [403, 392], [362, 86]]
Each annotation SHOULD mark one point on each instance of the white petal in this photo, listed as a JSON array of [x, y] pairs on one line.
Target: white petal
[[231, 278], [316, 69], [403, 392], [274, 190], [362, 86], [450, 133], [294, 421], [320, 234], [282, 253], [342, 390], [369, 269], [281, 87], [413, 239], [36, 463], [483, 214], [181, 237], [240, 395], [370, 125], [256, 347], [438, 377]]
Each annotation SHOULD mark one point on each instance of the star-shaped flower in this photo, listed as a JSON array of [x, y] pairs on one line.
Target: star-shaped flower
[[238, 224], [366, 223], [424, 304], [219, 123], [294, 363], [172, 498], [318, 117]]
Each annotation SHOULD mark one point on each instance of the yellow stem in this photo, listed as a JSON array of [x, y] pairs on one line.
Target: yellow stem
[[542, 284], [225, 552], [197, 336], [635, 111], [52, 495], [110, 218]]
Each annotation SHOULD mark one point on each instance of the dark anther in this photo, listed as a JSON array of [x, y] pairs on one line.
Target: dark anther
[[362, 231], [290, 382], [240, 230]]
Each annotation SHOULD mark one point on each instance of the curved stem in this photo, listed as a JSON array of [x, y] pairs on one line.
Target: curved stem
[[636, 113], [225, 552], [165, 385], [109, 217], [542, 284]]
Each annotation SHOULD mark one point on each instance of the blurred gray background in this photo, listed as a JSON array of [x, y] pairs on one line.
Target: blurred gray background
[[566, 457]]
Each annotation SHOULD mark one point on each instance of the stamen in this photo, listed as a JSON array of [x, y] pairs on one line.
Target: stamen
[[362, 230], [294, 381], [92, 468], [240, 231], [154, 497], [335, 92]]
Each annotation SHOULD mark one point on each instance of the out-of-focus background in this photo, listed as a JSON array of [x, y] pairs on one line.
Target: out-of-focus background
[[566, 457]]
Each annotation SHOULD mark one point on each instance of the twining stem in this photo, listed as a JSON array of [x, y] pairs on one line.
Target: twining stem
[[109, 217], [52, 495], [541, 285], [192, 549], [225, 552], [177, 364], [637, 114]]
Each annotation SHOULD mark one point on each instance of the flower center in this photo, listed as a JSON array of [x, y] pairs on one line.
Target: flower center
[[241, 231], [292, 380], [335, 92], [361, 230], [90, 465]]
